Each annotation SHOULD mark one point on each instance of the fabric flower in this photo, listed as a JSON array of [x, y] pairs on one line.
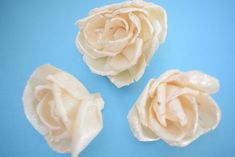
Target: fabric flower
[[61, 109], [176, 108], [119, 40]]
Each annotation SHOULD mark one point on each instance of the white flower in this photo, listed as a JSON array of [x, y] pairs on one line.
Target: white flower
[[119, 40], [176, 108], [61, 109]]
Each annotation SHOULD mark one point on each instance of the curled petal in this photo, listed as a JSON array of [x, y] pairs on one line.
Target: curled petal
[[137, 71], [89, 51], [161, 79], [150, 47], [127, 77], [121, 79], [130, 10], [92, 34], [137, 24], [115, 38], [147, 29], [100, 66], [209, 112], [159, 104], [175, 112], [169, 133], [158, 14], [88, 124], [128, 58], [140, 131], [173, 92], [202, 82], [43, 110]]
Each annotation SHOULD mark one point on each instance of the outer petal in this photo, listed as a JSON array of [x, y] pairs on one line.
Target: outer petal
[[209, 112], [128, 76], [202, 81], [100, 66], [138, 118], [141, 132], [158, 14], [88, 124]]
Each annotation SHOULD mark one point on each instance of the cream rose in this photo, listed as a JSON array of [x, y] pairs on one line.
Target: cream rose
[[119, 40], [61, 109], [176, 108]]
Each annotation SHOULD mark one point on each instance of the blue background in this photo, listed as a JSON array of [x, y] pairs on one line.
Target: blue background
[[33, 32]]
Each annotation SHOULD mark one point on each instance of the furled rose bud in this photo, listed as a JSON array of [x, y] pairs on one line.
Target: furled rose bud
[[61, 109], [176, 108], [119, 40]]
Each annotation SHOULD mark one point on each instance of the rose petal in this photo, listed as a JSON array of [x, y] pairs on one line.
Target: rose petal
[[175, 112], [209, 112], [202, 82], [127, 58], [88, 124], [147, 29], [159, 104], [91, 33], [158, 14], [109, 41], [150, 47], [121, 79], [129, 10], [100, 66], [113, 7], [169, 133], [137, 70], [135, 21], [141, 132], [143, 103], [89, 51], [162, 78], [43, 110], [175, 91], [127, 77], [70, 84], [190, 107]]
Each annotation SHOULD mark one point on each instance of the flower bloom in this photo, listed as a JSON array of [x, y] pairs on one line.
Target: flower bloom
[[61, 109], [119, 40], [176, 108]]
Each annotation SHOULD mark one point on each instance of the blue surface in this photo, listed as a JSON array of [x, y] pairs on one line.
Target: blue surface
[[200, 36]]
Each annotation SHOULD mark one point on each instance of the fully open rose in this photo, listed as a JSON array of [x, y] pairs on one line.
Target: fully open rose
[[61, 109], [176, 108], [119, 40]]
